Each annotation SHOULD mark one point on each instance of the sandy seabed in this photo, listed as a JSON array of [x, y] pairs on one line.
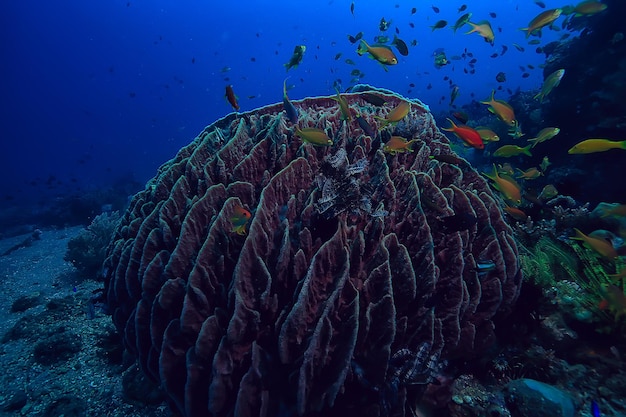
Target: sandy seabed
[[59, 356]]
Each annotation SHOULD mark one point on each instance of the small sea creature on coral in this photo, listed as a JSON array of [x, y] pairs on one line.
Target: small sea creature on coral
[[467, 134], [596, 145], [231, 97], [239, 220], [314, 136], [396, 114], [600, 246], [398, 144]]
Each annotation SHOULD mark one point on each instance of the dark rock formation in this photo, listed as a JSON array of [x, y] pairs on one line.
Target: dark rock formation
[[347, 292]]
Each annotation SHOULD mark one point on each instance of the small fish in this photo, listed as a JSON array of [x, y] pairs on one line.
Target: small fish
[[483, 266], [507, 151], [541, 20], [502, 109], [314, 136], [544, 135], [398, 144], [374, 99], [352, 8], [596, 145], [290, 109], [447, 158], [588, 8], [343, 106], [534, 42], [413, 10], [239, 220], [400, 46], [516, 213], [382, 54], [231, 97], [530, 174], [435, 9], [439, 25], [501, 77], [508, 187], [384, 24], [487, 135], [518, 47], [296, 58], [492, 15], [614, 300], [467, 134], [483, 29], [365, 126], [461, 116], [549, 83], [600, 246], [396, 114], [540, 4], [547, 192], [545, 163], [462, 8], [454, 93], [461, 21]]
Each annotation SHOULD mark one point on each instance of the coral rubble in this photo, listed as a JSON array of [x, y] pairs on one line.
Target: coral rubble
[[347, 293]]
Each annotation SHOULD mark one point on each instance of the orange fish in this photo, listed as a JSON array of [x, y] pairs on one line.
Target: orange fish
[[484, 29], [231, 97], [502, 109], [516, 213], [541, 20], [396, 114], [240, 219], [467, 134], [398, 144], [508, 187], [601, 246], [382, 54]]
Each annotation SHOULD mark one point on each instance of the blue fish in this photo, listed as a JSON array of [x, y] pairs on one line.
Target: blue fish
[[595, 409], [290, 109]]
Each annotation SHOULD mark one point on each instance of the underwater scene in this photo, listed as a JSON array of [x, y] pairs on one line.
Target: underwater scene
[[330, 208]]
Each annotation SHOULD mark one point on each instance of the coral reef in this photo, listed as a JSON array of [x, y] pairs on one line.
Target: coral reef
[[347, 293], [87, 250]]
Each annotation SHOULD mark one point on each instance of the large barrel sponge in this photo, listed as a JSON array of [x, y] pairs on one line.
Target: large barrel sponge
[[348, 288]]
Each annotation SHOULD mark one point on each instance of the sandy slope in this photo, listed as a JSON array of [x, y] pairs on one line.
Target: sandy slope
[[56, 358]]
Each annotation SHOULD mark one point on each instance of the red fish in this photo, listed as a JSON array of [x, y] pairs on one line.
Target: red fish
[[467, 134], [231, 97]]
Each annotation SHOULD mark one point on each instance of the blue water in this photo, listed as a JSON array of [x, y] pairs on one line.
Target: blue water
[[99, 94]]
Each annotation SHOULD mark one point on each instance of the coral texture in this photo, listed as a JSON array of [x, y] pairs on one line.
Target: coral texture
[[347, 289]]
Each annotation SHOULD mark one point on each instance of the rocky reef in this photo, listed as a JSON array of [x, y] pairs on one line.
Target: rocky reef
[[356, 278]]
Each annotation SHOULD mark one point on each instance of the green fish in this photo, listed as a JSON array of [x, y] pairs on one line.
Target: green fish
[[314, 136], [439, 25], [507, 151], [296, 58], [461, 21], [549, 83], [544, 135]]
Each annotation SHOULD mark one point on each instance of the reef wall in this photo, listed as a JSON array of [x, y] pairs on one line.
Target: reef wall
[[356, 279]]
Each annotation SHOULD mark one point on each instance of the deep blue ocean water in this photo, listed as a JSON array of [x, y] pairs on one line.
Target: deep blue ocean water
[[99, 94]]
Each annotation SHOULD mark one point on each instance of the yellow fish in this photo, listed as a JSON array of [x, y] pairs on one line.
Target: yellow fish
[[541, 20], [343, 106], [398, 144], [601, 246], [530, 173], [487, 134], [239, 220], [544, 135], [548, 192], [549, 83], [483, 29], [588, 8], [502, 109], [507, 151], [314, 136], [596, 145]]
